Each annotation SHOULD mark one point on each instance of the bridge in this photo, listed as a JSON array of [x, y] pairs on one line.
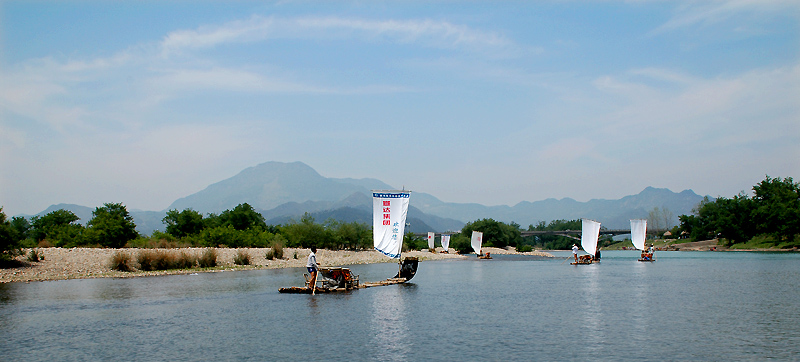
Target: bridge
[[525, 233], [567, 233]]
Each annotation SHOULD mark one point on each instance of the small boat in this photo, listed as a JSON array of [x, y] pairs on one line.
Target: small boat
[[475, 242], [388, 223], [337, 279], [638, 235], [590, 232], [485, 256], [445, 243]]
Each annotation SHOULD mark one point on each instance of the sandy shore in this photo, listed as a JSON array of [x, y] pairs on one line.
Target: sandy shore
[[78, 263]]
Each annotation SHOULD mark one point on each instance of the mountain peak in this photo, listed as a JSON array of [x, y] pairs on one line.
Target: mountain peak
[[267, 186]]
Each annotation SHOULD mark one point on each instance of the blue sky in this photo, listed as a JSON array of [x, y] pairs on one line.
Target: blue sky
[[144, 102]]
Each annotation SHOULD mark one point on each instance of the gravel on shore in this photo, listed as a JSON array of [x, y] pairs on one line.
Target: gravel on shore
[[79, 263]]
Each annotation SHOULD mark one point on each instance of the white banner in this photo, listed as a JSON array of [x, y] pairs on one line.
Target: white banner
[[638, 232], [430, 240], [477, 240], [389, 210], [446, 242]]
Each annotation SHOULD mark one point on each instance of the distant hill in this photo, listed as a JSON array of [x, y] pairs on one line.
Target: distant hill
[[614, 214], [285, 191], [272, 184]]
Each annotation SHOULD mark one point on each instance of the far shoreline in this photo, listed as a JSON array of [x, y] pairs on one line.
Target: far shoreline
[[86, 263]]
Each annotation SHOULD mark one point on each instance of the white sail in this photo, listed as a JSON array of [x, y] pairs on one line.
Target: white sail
[[590, 232], [430, 240], [389, 210], [445, 242], [638, 232], [477, 240]]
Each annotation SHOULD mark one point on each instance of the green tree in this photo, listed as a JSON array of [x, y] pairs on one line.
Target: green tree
[[8, 241], [414, 242], [777, 208], [21, 227], [242, 217], [495, 233], [307, 233], [184, 223], [112, 226], [724, 218], [461, 243], [56, 223], [350, 235]]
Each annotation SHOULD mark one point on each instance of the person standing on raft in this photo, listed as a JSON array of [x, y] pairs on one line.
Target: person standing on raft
[[575, 252], [312, 267]]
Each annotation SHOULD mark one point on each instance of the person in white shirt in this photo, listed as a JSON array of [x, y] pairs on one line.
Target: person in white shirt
[[575, 252], [312, 267]]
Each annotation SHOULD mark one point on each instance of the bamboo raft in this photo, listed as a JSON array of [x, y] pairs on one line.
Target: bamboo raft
[[647, 257], [337, 279], [584, 260]]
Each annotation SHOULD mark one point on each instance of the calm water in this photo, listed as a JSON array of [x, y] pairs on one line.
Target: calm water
[[685, 306]]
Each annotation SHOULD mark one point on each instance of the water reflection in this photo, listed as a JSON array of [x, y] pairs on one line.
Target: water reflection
[[638, 307], [312, 306], [5, 293], [592, 312], [390, 330]]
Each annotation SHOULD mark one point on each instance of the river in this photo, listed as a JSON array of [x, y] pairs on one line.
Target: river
[[685, 306]]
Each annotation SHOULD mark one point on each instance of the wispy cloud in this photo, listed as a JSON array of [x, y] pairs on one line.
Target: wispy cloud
[[426, 32], [715, 11]]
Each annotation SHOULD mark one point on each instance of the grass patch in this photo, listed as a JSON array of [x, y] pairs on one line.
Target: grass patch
[[150, 260], [122, 261], [208, 259], [276, 252], [767, 242], [242, 258]]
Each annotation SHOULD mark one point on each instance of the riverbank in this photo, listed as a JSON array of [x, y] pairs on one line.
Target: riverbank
[[80, 263]]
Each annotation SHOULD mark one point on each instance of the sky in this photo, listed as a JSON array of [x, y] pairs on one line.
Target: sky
[[145, 102]]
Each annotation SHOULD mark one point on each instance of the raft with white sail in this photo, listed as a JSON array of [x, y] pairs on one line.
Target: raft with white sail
[[389, 212], [590, 233], [446, 243], [638, 236]]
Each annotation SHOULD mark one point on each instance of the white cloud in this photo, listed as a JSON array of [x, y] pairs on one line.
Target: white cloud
[[709, 12], [425, 32]]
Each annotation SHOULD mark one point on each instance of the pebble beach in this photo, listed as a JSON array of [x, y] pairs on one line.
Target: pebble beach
[[79, 263]]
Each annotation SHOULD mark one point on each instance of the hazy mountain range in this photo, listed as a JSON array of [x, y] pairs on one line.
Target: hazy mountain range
[[284, 191]]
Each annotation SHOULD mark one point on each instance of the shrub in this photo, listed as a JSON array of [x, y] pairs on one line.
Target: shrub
[[147, 260], [122, 261], [277, 252], [523, 248], [241, 258], [185, 261], [163, 260], [208, 259], [35, 256]]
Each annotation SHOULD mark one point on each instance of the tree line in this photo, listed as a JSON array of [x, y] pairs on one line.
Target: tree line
[[771, 216], [112, 226]]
